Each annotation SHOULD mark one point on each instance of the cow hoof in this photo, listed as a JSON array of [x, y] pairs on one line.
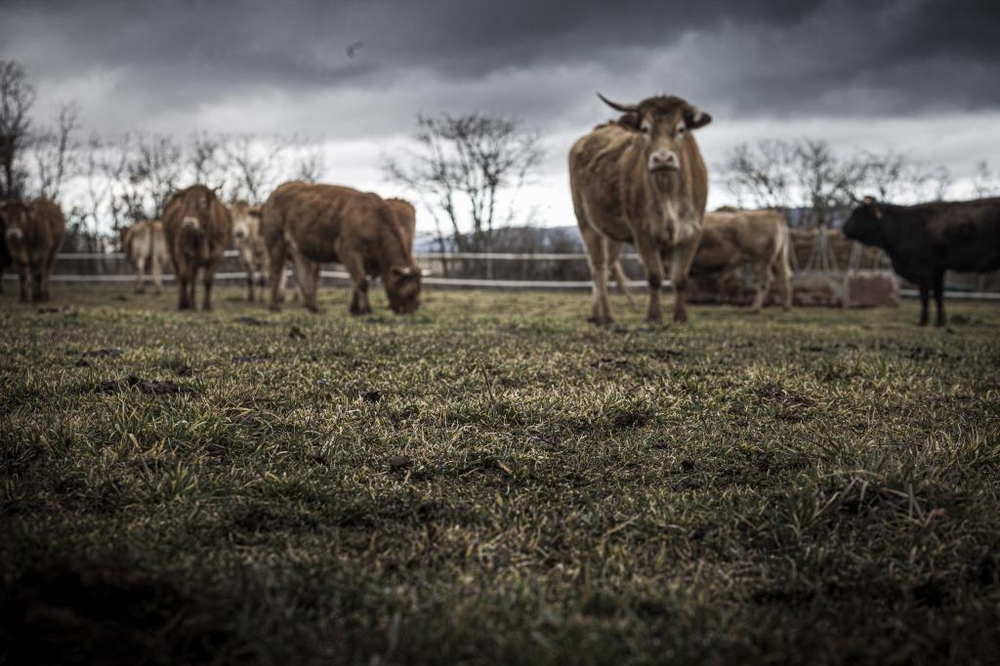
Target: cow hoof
[[600, 321]]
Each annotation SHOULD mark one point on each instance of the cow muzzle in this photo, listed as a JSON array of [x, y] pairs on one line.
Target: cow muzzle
[[664, 160], [191, 223], [14, 235]]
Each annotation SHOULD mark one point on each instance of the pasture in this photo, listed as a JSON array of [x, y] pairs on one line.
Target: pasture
[[494, 480]]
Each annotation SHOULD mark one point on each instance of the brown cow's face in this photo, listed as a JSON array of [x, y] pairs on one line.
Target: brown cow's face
[[197, 208], [246, 220], [664, 123], [14, 219], [402, 285]]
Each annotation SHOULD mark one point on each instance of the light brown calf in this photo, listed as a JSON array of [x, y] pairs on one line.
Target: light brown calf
[[144, 242]]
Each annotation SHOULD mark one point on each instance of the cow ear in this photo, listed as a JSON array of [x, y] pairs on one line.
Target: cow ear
[[695, 117]]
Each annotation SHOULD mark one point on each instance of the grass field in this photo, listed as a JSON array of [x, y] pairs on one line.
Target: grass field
[[494, 480]]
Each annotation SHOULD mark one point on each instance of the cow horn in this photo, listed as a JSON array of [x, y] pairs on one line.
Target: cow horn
[[624, 108]]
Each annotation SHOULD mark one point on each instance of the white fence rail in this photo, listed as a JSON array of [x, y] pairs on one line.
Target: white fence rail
[[65, 260]]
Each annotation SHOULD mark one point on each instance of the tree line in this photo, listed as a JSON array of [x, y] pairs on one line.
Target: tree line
[[467, 170], [808, 176]]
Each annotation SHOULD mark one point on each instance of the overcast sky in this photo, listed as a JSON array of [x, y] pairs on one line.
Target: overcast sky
[[920, 77]]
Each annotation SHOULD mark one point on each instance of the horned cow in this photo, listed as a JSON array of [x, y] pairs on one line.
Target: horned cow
[[144, 242], [198, 229], [33, 233], [317, 223], [647, 187], [249, 244], [925, 240]]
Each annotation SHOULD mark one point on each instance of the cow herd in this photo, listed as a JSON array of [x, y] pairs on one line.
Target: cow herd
[[640, 180]]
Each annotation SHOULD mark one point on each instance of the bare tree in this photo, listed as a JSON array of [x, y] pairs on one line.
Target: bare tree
[[253, 166], [309, 165], [16, 99], [827, 183], [760, 176], [464, 167], [54, 152], [985, 182], [206, 161]]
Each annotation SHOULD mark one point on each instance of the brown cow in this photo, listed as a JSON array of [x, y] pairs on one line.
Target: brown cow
[[145, 242], [33, 232], [756, 238], [322, 223], [731, 241], [648, 188], [198, 228], [249, 244]]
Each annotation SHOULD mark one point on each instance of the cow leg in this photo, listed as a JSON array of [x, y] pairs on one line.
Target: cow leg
[[939, 296], [210, 270], [157, 274], [302, 272], [785, 278], [598, 258], [360, 305], [23, 279], [925, 293], [681, 257], [762, 276], [38, 294], [276, 277], [249, 268], [651, 259]]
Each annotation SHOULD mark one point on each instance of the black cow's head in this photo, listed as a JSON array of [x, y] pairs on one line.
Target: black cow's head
[[865, 223], [664, 122]]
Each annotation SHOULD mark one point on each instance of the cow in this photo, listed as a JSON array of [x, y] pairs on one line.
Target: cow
[[33, 233], [249, 244], [198, 228], [759, 239], [925, 240], [731, 241], [145, 242], [647, 187], [406, 214], [318, 223]]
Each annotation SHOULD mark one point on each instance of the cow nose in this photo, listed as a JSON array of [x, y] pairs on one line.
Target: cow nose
[[239, 233], [191, 222], [664, 160]]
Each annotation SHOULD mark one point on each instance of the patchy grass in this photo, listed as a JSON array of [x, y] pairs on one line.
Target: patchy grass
[[494, 480]]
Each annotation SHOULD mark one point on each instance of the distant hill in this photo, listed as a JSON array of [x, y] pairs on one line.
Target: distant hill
[[555, 240]]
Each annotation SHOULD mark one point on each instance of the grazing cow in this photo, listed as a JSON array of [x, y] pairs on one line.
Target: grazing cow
[[145, 242], [250, 244], [322, 223], [198, 228], [925, 240], [33, 232], [647, 187]]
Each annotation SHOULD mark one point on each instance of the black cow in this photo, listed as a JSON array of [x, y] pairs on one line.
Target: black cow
[[926, 239]]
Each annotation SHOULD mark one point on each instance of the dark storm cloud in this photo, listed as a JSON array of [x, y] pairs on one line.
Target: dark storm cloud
[[752, 58]]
